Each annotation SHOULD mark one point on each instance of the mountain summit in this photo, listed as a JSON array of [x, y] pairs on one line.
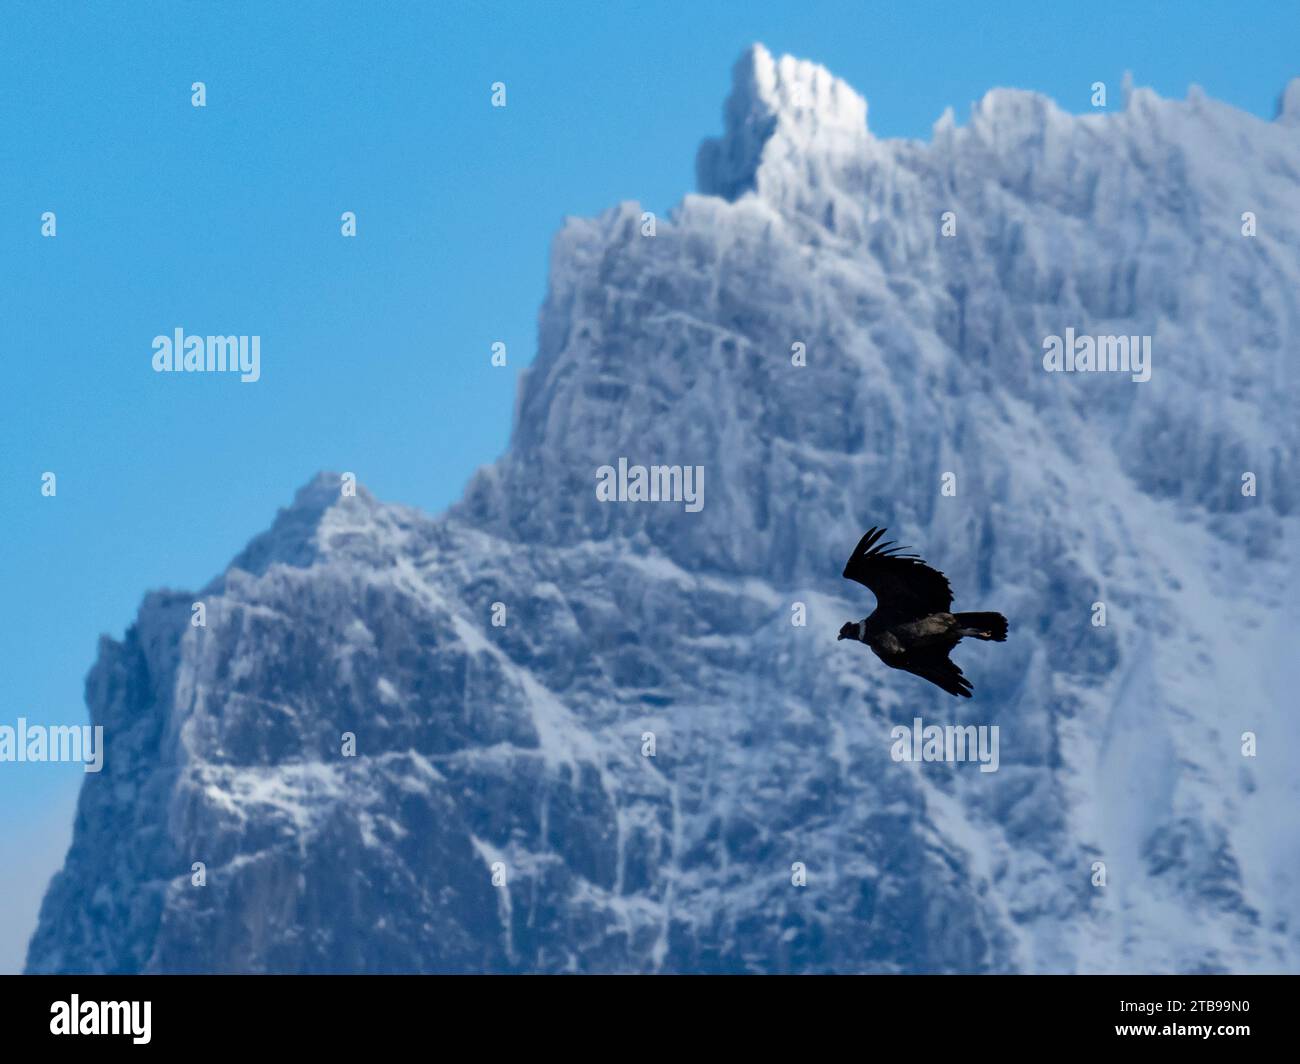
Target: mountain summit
[[787, 107], [544, 732]]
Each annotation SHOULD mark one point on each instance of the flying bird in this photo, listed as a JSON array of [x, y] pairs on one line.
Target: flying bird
[[912, 628]]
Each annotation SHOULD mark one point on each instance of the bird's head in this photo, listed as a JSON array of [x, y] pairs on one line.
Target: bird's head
[[849, 631]]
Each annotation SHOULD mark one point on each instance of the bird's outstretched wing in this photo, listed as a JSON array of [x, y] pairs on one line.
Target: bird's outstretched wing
[[932, 663], [904, 586]]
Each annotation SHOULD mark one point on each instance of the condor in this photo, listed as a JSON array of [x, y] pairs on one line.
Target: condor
[[912, 628]]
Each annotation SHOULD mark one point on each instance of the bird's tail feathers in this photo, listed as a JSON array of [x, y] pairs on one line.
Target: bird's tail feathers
[[992, 626]]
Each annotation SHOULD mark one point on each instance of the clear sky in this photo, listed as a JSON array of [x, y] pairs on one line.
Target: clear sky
[[375, 350]]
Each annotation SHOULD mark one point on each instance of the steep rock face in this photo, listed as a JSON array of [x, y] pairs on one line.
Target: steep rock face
[[520, 751]]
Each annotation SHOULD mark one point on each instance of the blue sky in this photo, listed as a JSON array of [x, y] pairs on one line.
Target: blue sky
[[375, 349]]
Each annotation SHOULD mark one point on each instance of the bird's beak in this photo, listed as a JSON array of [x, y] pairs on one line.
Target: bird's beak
[[840, 636]]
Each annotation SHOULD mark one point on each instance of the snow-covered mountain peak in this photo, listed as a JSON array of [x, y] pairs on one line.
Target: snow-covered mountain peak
[[324, 491], [330, 513], [797, 92], [777, 107]]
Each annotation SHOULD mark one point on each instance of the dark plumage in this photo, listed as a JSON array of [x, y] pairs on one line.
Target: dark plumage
[[912, 628]]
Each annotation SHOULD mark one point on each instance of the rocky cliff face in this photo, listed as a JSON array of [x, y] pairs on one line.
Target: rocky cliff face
[[520, 751]]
